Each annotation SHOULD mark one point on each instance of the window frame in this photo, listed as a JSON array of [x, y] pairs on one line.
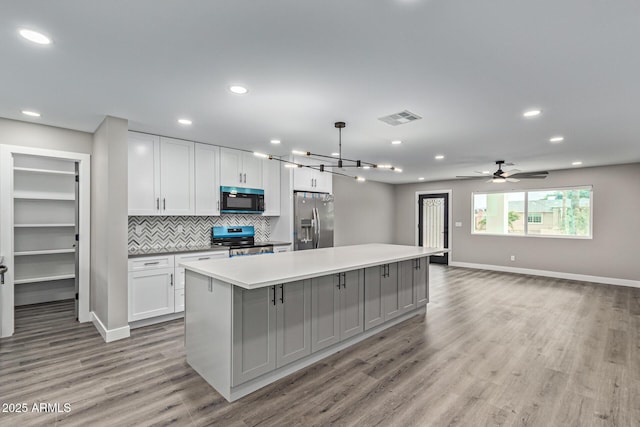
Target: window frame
[[526, 213]]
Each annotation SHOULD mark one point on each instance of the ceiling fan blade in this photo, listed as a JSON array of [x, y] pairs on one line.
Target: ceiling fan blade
[[510, 172], [532, 177], [532, 173], [470, 177], [512, 180]]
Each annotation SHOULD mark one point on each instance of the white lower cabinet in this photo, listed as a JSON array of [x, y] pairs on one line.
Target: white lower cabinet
[[151, 293], [272, 327], [156, 284], [421, 281], [284, 248], [337, 311], [180, 279]]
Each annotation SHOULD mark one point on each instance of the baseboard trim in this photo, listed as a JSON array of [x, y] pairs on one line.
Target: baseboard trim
[[554, 274], [109, 335]]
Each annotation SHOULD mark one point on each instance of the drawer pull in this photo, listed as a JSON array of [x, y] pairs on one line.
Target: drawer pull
[[203, 258], [152, 263]]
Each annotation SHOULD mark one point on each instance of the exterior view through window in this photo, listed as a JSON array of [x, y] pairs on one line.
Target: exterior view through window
[[562, 212]]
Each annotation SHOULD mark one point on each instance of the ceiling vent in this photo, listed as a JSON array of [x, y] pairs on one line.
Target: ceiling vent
[[400, 118]]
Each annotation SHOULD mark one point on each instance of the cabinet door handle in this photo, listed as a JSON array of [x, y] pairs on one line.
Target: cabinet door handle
[[245, 178], [152, 263], [273, 288], [171, 279], [158, 203], [339, 280], [282, 294], [218, 206], [344, 280], [164, 204], [240, 177]]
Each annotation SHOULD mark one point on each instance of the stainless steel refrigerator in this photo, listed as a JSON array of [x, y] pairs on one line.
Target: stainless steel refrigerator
[[313, 220]]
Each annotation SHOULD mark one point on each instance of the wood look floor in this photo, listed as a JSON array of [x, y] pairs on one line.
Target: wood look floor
[[494, 349]]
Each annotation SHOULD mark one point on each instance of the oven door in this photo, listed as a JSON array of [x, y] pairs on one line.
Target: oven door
[[241, 200]]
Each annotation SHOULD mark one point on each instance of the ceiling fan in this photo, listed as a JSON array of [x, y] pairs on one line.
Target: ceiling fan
[[513, 175]]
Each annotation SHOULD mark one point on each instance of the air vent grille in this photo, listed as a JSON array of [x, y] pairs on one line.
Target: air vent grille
[[400, 118]]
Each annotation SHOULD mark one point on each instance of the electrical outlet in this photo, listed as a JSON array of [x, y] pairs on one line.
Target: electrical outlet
[[513, 257], [139, 228], [458, 224], [180, 229]]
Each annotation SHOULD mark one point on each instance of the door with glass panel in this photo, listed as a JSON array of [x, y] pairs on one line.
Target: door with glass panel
[[433, 225]]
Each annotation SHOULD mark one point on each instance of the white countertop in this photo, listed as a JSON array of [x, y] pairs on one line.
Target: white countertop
[[258, 271]]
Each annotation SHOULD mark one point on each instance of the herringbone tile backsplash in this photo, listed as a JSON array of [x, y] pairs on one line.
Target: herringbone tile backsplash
[[162, 231]]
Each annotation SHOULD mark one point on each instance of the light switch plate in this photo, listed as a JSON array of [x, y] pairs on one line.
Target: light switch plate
[[180, 228], [458, 224], [139, 228]]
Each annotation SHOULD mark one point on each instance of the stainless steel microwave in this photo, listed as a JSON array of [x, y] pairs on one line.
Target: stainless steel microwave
[[241, 200]]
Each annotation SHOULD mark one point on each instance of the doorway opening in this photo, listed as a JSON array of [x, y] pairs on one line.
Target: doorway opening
[[44, 232], [433, 223]]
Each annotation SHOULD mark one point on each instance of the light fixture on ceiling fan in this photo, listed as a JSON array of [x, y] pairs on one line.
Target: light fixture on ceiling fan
[[342, 162]]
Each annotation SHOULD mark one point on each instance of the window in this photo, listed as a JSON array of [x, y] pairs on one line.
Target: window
[[553, 212], [534, 218]]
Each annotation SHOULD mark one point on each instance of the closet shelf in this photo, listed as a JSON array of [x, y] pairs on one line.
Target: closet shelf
[[42, 225], [32, 195], [43, 279], [43, 171], [45, 252]]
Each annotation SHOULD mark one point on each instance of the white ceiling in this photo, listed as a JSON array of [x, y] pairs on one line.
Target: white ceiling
[[469, 68]]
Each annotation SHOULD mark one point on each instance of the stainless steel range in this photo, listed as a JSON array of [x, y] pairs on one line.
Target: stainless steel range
[[240, 239]]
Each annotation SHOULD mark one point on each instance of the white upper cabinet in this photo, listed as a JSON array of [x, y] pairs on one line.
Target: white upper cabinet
[[240, 169], [161, 176], [207, 180], [144, 174], [177, 173], [271, 181], [307, 179]]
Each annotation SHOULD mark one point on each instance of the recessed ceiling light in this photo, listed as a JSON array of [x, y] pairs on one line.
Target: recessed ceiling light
[[240, 90], [396, 142], [397, 169], [34, 36], [366, 167], [360, 179], [576, 163], [532, 113], [486, 172], [421, 178], [275, 141], [30, 113], [556, 139], [439, 157], [335, 154], [185, 121]]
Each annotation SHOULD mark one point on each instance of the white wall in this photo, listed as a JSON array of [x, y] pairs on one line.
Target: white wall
[[27, 134], [364, 212], [612, 253], [109, 288]]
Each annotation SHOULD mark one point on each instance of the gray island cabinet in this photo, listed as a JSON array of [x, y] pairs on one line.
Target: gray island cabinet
[[250, 321]]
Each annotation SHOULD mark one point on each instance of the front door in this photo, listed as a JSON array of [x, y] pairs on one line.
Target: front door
[[433, 226]]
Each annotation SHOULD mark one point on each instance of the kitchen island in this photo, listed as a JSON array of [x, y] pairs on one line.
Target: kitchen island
[[250, 321]]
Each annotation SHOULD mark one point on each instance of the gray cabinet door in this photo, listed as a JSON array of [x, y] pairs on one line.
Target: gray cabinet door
[[325, 312], [254, 333], [373, 302], [352, 304], [293, 320], [407, 294], [421, 281], [391, 292]]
